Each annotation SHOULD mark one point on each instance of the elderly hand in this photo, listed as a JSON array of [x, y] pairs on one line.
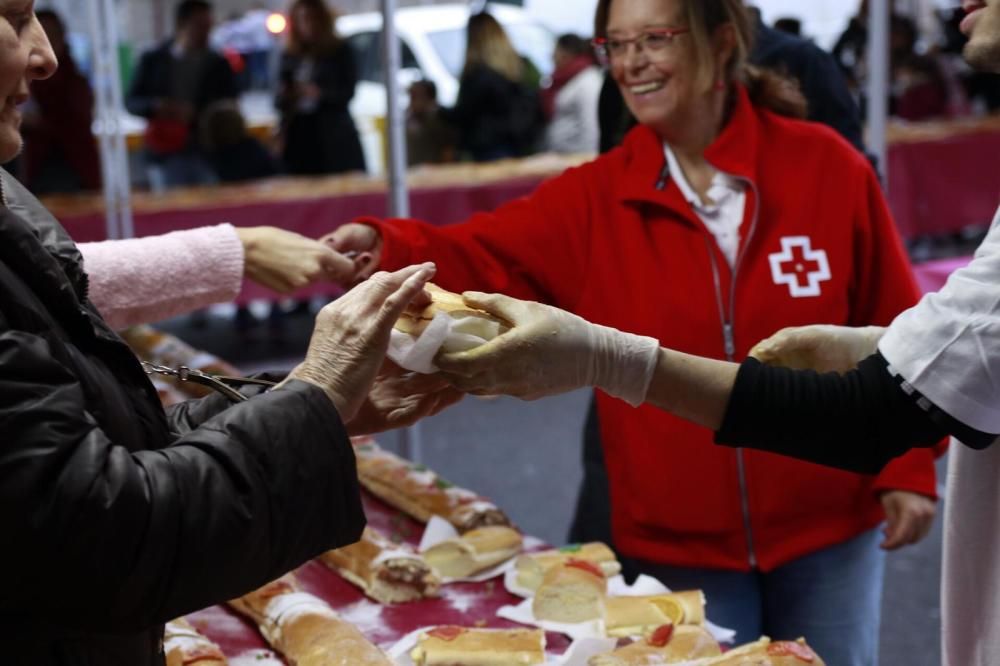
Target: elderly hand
[[400, 398], [351, 336], [909, 517], [362, 240], [819, 347], [285, 261], [551, 351]]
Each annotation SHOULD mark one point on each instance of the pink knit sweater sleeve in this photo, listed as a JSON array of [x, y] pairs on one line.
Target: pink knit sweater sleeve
[[143, 280]]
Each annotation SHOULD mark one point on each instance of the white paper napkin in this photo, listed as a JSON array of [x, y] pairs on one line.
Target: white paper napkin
[[444, 333], [576, 654], [438, 529]]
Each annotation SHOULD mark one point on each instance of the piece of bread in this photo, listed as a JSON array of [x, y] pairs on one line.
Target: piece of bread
[[531, 567], [668, 644], [476, 550], [421, 493], [305, 629], [460, 646], [388, 573], [766, 652], [475, 321], [638, 616], [184, 646], [571, 592]]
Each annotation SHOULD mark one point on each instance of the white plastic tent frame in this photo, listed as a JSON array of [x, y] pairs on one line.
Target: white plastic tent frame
[[110, 109], [878, 84]]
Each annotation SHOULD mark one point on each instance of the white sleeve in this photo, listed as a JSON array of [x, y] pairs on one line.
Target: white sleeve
[[947, 347]]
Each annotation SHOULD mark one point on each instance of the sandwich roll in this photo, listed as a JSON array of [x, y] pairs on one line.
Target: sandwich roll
[[420, 492], [475, 551], [531, 567], [460, 646], [571, 592], [637, 616], [473, 321], [766, 652], [184, 646], [388, 573], [667, 644], [305, 629]]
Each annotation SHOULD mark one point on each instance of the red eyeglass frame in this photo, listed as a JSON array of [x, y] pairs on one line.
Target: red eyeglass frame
[[600, 44]]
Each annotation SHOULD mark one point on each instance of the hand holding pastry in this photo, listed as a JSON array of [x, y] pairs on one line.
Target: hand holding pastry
[[550, 351]]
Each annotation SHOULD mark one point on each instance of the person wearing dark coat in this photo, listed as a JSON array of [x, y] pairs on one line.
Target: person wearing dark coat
[[172, 86], [118, 516], [317, 78]]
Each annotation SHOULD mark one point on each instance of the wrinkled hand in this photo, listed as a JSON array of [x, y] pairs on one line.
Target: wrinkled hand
[[285, 261], [550, 351], [364, 241], [819, 347], [400, 398], [351, 336], [909, 517]]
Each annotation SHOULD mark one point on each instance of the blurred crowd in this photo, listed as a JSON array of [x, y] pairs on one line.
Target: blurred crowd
[[188, 89]]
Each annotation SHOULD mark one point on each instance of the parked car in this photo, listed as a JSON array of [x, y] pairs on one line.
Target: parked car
[[432, 45]]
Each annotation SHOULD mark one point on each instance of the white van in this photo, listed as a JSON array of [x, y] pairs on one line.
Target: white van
[[432, 44]]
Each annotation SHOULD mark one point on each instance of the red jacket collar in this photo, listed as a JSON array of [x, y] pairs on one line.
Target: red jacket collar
[[734, 151]]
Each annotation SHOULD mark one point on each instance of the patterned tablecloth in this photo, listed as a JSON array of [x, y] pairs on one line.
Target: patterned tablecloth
[[468, 604]]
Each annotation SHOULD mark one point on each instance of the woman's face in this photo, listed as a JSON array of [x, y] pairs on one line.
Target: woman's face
[[25, 55], [304, 24], [658, 84]]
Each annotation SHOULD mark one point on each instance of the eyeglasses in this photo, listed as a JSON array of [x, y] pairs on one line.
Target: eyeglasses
[[656, 43]]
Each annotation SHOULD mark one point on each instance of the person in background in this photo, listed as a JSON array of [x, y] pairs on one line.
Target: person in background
[[498, 113], [790, 25], [429, 137], [712, 226], [60, 151], [570, 101], [316, 82], [173, 85], [233, 153]]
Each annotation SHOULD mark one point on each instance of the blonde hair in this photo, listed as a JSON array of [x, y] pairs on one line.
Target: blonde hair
[[487, 44], [703, 17]]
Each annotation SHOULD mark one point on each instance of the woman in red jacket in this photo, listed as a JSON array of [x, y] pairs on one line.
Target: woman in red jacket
[[721, 207]]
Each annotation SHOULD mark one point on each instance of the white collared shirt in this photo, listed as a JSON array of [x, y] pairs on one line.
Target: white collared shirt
[[724, 215]]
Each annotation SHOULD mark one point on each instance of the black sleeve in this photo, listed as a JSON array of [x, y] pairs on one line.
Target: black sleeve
[[106, 539], [858, 421]]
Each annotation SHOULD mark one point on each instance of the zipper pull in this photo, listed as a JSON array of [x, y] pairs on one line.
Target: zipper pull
[[727, 334]]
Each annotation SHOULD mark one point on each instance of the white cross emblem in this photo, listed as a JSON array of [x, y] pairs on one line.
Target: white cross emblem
[[799, 266]]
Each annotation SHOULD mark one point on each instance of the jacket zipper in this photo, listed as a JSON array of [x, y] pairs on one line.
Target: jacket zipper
[[729, 342]]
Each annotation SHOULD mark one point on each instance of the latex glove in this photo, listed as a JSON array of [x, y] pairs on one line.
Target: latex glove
[[549, 351], [819, 347], [909, 517], [286, 261], [364, 242], [400, 398], [351, 336]]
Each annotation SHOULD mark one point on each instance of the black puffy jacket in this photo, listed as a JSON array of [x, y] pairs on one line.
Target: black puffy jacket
[[116, 517]]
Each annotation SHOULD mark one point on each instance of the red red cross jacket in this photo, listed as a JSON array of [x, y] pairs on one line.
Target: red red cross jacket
[[615, 242]]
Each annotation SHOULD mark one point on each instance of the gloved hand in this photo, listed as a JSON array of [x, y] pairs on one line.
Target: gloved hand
[[819, 347], [549, 351]]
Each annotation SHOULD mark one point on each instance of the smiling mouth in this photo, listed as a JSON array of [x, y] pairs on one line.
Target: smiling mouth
[[644, 88]]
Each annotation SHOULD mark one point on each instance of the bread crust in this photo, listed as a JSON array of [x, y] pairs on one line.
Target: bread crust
[[637, 616], [183, 645], [452, 304], [531, 567], [420, 492], [686, 642], [388, 573], [305, 629], [462, 646], [473, 552], [569, 593]]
